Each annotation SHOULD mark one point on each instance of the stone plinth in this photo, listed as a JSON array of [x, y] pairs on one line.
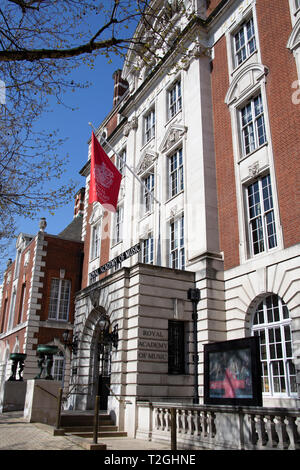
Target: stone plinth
[[41, 401], [12, 396]]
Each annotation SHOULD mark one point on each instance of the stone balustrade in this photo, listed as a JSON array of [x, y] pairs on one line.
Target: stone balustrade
[[222, 427]]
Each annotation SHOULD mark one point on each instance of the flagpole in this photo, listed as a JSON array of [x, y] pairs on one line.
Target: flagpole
[[158, 254], [127, 166]]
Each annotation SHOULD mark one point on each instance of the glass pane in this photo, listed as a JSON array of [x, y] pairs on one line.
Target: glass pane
[[250, 28], [251, 46], [285, 311], [287, 333], [278, 350], [257, 235], [258, 106], [282, 384], [53, 298], [64, 300]]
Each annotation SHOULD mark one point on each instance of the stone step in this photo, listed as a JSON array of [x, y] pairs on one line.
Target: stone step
[[76, 429], [88, 435], [76, 419]]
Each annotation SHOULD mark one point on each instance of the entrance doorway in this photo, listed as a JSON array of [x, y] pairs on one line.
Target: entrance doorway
[[104, 357]]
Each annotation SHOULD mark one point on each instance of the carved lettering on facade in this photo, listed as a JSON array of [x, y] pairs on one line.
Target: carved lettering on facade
[[153, 345]]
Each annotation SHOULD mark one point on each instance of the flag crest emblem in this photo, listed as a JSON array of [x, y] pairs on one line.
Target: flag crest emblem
[[105, 179]]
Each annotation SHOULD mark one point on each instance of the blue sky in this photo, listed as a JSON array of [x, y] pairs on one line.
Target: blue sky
[[93, 104]]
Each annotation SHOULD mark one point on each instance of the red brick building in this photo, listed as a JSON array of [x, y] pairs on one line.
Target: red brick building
[[38, 295]]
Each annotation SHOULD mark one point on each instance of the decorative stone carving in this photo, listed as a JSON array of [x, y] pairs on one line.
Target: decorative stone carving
[[146, 161], [172, 136], [130, 125], [126, 129], [253, 169], [134, 123], [173, 211], [197, 52]]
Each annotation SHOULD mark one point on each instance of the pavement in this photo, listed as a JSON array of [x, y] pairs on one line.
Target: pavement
[[18, 434]]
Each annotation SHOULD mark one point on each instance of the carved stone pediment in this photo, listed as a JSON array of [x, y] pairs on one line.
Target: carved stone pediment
[[245, 81], [146, 161], [96, 215], [173, 135]]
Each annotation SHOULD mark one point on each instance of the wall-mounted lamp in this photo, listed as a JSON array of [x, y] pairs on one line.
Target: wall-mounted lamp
[[73, 344], [109, 337]]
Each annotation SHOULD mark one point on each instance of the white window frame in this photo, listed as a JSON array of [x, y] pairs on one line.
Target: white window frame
[[17, 264], [275, 346], [22, 301], [247, 46], [120, 165], [261, 216], [174, 99], [149, 126], [147, 197], [147, 250], [251, 121], [95, 240], [118, 225], [59, 307], [177, 245], [58, 370], [12, 309], [175, 172]]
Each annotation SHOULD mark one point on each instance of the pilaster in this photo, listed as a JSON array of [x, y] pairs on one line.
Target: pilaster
[[34, 305]]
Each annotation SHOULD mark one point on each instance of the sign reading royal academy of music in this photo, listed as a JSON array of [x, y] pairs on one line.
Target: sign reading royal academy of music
[[117, 260], [153, 345]]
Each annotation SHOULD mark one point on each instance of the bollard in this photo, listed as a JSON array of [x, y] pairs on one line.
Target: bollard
[[173, 429], [96, 419]]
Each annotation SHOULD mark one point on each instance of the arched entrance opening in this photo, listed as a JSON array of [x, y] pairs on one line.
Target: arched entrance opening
[[103, 340], [104, 369]]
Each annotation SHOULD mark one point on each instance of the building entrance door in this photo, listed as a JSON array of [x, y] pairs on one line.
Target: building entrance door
[[104, 374]]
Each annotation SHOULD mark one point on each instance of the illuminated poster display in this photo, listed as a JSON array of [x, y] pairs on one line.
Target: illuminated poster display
[[232, 373]]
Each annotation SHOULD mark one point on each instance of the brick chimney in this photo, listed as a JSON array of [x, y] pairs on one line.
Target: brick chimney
[[79, 203], [120, 86]]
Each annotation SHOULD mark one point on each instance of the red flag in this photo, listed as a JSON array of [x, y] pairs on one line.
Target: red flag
[[105, 178]]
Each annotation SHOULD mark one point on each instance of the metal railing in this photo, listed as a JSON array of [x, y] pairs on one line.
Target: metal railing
[[62, 399]]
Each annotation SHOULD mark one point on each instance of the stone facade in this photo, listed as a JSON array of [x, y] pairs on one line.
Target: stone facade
[[203, 128], [213, 132]]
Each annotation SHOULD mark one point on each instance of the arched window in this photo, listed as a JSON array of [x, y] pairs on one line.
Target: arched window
[[272, 323]]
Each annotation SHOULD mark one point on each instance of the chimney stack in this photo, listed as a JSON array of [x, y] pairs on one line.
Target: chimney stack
[[120, 86], [79, 203]]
